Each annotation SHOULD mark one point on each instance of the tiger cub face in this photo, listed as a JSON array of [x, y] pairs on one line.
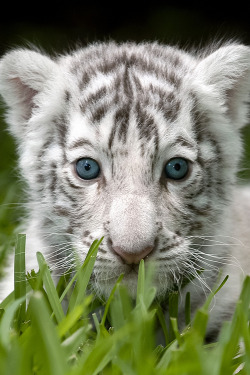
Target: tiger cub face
[[138, 144]]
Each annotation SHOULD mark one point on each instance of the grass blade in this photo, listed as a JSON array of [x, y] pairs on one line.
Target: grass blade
[[20, 277], [110, 299], [71, 319], [83, 276], [141, 282], [72, 343], [162, 319], [6, 322], [51, 354], [213, 293], [121, 307], [173, 312], [50, 288], [175, 330], [8, 300]]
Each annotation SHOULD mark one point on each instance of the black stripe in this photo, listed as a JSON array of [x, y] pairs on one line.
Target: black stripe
[[112, 137], [121, 120], [93, 98], [81, 143], [52, 178], [71, 184], [68, 196], [61, 211], [98, 113], [61, 125], [85, 79], [127, 84], [146, 125], [67, 96], [184, 142], [205, 211], [200, 121]]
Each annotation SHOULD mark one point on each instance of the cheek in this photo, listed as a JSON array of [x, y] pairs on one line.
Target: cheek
[[171, 210]]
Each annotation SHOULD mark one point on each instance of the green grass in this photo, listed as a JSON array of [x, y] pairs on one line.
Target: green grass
[[38, 336]]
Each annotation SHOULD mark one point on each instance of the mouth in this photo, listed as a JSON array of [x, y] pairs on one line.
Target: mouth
[[132, 269]]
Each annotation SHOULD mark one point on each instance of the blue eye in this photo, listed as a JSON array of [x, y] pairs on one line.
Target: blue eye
[[87, 169], [176, 168]]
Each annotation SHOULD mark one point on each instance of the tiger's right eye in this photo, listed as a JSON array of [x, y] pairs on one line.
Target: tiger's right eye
[[176, 168], [87, 168]]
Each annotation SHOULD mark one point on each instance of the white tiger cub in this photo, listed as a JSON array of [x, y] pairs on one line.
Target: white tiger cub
[[139, 143]]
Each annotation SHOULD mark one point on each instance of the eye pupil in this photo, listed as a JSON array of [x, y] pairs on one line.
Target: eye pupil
[[87, 168], [176, 168]]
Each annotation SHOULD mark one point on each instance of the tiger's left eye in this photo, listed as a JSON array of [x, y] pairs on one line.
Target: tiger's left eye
[[176, 168], [87, 168]]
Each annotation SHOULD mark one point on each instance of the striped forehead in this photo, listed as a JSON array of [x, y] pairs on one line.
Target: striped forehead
[[133, 131], [119, 127], [125, 101], [125, 80], [117, 82]]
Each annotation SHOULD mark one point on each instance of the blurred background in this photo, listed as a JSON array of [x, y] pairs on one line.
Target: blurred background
[[60, 26]]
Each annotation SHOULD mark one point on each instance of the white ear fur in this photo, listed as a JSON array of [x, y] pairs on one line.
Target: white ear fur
[[224, 76], [23, 74]]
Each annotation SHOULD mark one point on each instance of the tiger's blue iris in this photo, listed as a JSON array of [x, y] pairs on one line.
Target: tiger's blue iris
[[176, 168], [87, 168]]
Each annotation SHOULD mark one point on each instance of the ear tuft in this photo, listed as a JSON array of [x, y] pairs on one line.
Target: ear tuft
[[23, 74], [225, 75]]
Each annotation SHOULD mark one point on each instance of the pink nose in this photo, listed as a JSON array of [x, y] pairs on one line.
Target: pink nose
[[130, 257]]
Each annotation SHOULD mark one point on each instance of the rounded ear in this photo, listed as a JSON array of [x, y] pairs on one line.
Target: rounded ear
[[225, 76], [23, 74]]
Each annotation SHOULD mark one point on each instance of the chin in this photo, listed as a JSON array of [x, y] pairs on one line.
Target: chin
[[130, 282], [102, 289]]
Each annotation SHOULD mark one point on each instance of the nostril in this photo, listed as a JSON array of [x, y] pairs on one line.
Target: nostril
[[132, 257]]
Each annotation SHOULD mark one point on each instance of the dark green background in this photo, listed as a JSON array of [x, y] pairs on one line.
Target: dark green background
[[59, 26]]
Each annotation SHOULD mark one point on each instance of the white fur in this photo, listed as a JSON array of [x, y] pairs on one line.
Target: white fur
[[130, 203]]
